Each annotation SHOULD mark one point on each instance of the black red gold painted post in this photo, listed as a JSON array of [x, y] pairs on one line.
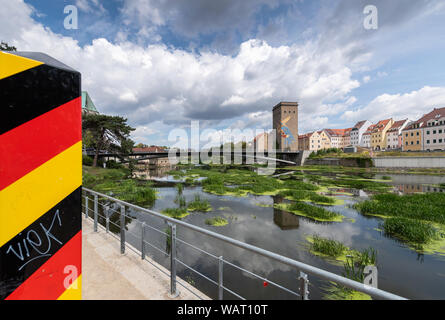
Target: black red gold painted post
[[40, 178]]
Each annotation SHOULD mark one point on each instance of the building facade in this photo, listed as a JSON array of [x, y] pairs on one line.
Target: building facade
[[314, 141], [285, 122], [412, 137], [394, 135], [434, 131], [339, 138], [88, 106], [357, 133], [261, 142], [378, 135]]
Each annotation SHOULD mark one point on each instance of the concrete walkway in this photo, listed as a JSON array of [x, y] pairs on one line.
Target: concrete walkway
[[108, 275]]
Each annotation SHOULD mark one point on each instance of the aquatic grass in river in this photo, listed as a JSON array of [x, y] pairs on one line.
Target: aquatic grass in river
[[416, 232], [310, 211], [216, 222], [177, 213], [327, 247], [199, 204]]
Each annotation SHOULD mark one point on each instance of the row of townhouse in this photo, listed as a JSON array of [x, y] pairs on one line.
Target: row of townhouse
[[385, 134], [425, 134]]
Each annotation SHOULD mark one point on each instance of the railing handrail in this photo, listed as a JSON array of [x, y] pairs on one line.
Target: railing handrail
[[373, 292]]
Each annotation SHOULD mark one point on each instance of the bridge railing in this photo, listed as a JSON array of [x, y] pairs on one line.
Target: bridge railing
[[304, 270]]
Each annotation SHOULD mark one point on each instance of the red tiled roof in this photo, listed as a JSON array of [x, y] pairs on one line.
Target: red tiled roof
[[381, 125], [338, 132], [359, 124], [397, 124], [427, 117]]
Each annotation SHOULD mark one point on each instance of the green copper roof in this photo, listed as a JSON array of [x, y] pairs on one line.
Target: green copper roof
[[87, 103]]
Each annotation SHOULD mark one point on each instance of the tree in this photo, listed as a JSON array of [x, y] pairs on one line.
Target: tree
[[5, 47], [141, 145], [107, 133]]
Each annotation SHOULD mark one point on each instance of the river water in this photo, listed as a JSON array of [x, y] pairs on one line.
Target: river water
[[401, 270]]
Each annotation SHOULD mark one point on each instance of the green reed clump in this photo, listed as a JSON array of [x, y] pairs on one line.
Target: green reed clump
[[198, 204], [136, 192], [386, 178], [416, 232], [298, 185], [361, 184], [216, 222], [427, 207], [313, 211], [294, 194], [328, 247], [177, 213], [315, 197]]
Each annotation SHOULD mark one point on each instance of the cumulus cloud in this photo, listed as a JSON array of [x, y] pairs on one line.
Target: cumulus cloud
[[165, 87], [410, 105]]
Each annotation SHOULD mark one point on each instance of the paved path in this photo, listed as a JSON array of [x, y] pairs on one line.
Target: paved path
[[108, 275]]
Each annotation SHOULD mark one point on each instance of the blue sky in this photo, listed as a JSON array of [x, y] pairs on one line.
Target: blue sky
[[226, 63]]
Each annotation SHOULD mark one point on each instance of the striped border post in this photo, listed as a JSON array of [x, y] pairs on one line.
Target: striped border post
[[40, 178]]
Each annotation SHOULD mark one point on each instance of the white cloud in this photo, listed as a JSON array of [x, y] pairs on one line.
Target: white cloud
[[169, 86], [366, 79], [410, 105]]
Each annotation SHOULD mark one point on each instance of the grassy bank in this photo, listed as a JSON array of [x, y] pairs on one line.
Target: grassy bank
[[118, 183]]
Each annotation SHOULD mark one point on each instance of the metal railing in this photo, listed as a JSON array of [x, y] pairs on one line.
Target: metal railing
[[304, 269]]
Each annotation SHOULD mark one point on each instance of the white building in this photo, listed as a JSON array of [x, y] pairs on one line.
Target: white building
[[394, 135], [357, 133], [366, 137], [434, 131]]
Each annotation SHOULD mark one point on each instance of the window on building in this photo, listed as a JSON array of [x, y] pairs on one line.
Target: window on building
[[440, 131], [434, 131], [440, 140], [417, 133], [428, 132], [434, 140], [412, 134], [417, 141], [428, 141], [412, 142]]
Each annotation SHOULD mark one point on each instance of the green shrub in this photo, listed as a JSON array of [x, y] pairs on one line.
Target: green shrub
[[87, 160]]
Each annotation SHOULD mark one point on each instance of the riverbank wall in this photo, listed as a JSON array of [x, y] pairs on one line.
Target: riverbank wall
[[381, 162], [409, 162]]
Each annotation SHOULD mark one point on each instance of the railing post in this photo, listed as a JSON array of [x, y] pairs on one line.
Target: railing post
[[220, 278], [122, 218], [142, 241], [107, 223], [173, 290], [304, 290], [95, 212], [86, 205]]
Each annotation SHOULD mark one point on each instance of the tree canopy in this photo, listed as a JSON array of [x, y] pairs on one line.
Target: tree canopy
[[106, 133], [5, 47]]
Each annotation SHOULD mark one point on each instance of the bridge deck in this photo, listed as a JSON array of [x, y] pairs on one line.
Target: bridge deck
[[108, 275]]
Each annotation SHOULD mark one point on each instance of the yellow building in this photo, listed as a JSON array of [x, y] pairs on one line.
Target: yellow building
[[314, 141], [378, 135], [412, 137]]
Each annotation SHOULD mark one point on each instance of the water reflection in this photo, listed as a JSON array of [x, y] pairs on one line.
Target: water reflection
[[254, 220]]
